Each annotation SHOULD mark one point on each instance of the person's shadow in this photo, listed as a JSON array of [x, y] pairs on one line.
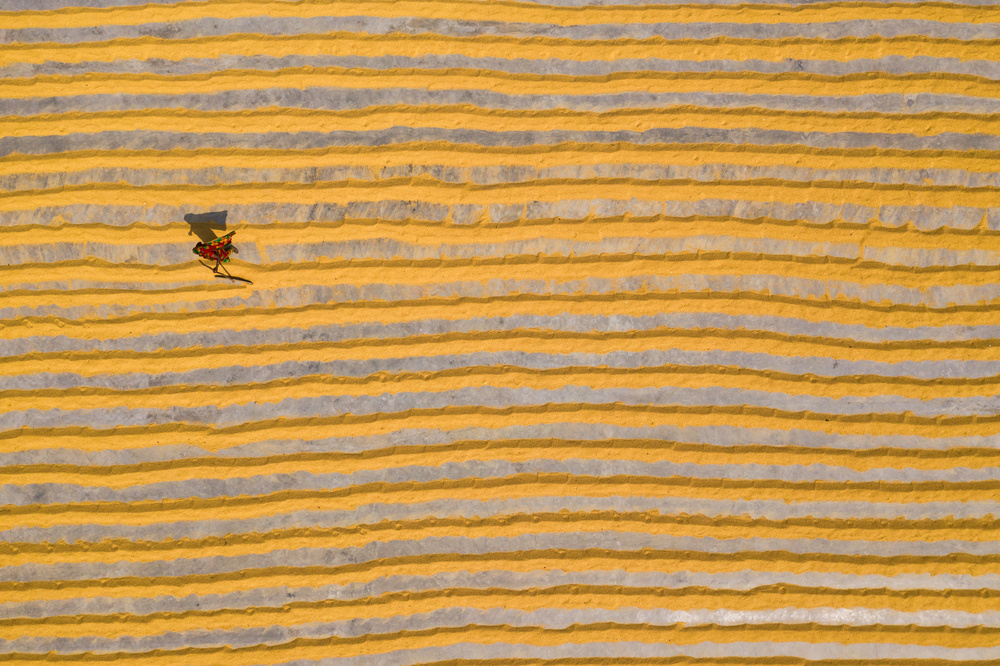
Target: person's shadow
[[202, 224]]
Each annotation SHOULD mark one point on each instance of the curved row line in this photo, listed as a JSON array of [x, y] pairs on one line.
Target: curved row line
[[789, 332], [405, 153], [501, 173], [76, 5], [547, 627], [890, 395], [41, 179], [30, 576], [556, 263], [887, 192], [180, 545], [390, 251], [336, 41], [787, 83], [947, 144], [890, 64], [546, 281], [193, 516], [467, 115], [27, 493], [345, 455], [773, 424], [901, 591], [951, 219], [853, 314], [430, 610], [108, 541], [688, 367], [535, 12], [844, 447], [423, 239], [882, 408], [518, 562], [265, 25]]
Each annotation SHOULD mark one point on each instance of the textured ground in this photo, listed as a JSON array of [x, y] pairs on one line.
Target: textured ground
[[578, 331]]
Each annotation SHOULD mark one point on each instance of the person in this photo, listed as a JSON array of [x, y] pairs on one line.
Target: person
[[217, 250]]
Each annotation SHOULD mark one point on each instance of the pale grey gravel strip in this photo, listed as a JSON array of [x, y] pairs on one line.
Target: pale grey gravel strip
[[498, 398], [874, 653], [715, 435], [935, 296], [119, 285], [891, 64], [355, 98], [920, 217], [790, 3], [566, 431], [151, 254], [384, 249], [291, 370], [43, 5], [391, 249], [459, 616], [21, 5], [158, 140], [277, 597], [380, 512], [417, 25], [620, 323], [906, 256], [503, 173], [925, 218], [617, 540], [264, 484]]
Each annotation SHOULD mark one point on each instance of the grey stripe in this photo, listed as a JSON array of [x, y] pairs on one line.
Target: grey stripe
[[506, 173], [598, 3], [265, 484], [166, 254], [277, 597], [240, 374], [39, 5], [417, 25], [891, 64], [122, 285], [875, 653], [714, 435], [498, 398], [19, 5], [565, 322], [903, 256], [620, 541], [381, 248], [935, 296], [920, 217], [155, 254], [791, 3], [117, 285], [154, 140], [458, 616], [380, 512], [356, 98]]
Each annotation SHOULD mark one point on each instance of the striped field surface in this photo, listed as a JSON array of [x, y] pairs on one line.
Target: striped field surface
[[580, 332]]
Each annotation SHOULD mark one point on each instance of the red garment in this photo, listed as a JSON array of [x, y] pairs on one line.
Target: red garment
[[216, 250]]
